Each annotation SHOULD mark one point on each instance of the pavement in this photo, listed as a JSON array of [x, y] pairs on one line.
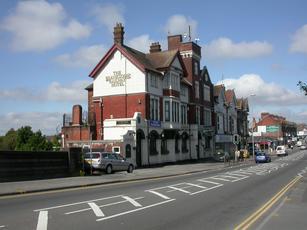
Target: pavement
[[24, 187]]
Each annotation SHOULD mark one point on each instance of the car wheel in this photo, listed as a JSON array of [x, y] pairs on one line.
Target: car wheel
[[109, 169], [130, 169]]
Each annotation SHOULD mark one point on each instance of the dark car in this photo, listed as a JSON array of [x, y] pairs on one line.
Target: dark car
[[262, 157]]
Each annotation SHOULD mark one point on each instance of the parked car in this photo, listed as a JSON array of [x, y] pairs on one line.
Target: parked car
[[262, 157], [108, 162], [281, 151], [303, 147]]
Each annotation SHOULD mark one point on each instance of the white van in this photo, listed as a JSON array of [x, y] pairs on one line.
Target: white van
[[281, 151]]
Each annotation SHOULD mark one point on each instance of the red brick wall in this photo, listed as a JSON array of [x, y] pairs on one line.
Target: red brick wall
[[122, 106]]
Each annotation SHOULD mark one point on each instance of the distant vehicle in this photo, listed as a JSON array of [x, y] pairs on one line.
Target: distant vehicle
[[299, 143], [281, 151], [303, 147], [108, 162], [262, 157]]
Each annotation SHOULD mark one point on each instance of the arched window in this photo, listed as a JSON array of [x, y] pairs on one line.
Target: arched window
[[177, 137], [128, 151], [153, 136], [184, 143]]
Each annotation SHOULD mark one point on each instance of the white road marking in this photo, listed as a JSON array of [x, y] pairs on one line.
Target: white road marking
[[135, 210], [196, 185], [228, 176], [237, 174], [210, 182], [179, 189], [96, 209], [42, 220], [132, 201], [218, 178], [101, 206], [82, 202], [206, 189], [158, 194], [2, 226]]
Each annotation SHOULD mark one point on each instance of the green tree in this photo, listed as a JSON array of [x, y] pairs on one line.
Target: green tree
[[27, 140], [8, 142], [303, 87]]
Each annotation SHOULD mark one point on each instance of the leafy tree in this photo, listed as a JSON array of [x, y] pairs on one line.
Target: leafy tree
[[8, 142], [56, 142], [303, 87], [27, 140]]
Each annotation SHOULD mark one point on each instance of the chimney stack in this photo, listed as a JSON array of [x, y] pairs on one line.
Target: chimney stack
[[155, 47], [119, 34]]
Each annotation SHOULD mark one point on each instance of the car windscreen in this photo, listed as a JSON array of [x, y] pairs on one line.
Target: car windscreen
[[260, 154], [94, 156]]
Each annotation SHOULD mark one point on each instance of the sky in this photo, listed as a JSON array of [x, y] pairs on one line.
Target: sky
[[48, 48]]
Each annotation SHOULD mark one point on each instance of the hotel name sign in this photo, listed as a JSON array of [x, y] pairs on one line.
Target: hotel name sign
[[118, 79]]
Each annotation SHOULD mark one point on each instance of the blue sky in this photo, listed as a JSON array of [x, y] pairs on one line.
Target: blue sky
[[48, 48]]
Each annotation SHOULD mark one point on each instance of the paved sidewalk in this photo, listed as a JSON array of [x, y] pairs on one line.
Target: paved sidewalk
[[22, 187]]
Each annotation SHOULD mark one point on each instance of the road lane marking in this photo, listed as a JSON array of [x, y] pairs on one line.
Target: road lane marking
[[158, 194], [101, 206], [196, 185], [210, 182], [206, 189], [135, 210], [42, 220], [218, 178], [179, 189], [256, 215], [2, 226], [132, 201], [273, 213], [96, 209], [72, 204]]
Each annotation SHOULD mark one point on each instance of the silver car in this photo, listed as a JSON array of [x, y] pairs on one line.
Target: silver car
[[108, 162]]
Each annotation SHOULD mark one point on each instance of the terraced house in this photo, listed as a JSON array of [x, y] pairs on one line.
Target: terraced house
[[151, 107]]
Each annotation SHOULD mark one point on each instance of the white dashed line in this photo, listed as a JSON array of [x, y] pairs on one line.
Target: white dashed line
[[72, 204], [42, 220], [132, 201], [179, 189], [96, 209], [135, 210], [158, 194], [210, 182], [101, 206]]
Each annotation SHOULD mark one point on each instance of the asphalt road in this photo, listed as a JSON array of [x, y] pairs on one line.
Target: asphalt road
[[209, 200]]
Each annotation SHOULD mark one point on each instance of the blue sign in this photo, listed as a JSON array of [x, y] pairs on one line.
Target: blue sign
[[156, 124]]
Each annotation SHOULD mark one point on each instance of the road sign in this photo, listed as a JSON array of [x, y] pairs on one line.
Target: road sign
[[272, 129]]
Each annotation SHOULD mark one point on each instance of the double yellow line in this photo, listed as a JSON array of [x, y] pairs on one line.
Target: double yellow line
[[256, 215]]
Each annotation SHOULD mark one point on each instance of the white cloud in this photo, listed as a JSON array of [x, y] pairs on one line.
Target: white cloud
[[54, 92], [179, 24], [109, 15], [267, 93], [141, 43], [299, 40], [48, 123], [84, 57], [40, 25], [226, 48]]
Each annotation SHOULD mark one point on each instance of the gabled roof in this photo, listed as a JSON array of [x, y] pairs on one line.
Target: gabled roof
[[136, 57], [242, 104], [229, 94], [163, 59], [185, 81], [217, 90], [155, 62]]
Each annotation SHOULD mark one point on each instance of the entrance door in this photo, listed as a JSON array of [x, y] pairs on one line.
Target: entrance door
[[139, 136]]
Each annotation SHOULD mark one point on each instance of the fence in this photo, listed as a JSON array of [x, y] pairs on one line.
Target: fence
[[27, 165]]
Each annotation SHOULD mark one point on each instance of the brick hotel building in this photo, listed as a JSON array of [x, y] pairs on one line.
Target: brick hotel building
[[152, 108]]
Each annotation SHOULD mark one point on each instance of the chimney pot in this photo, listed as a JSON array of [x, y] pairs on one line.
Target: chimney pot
[[119, 34], [155, 47]]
